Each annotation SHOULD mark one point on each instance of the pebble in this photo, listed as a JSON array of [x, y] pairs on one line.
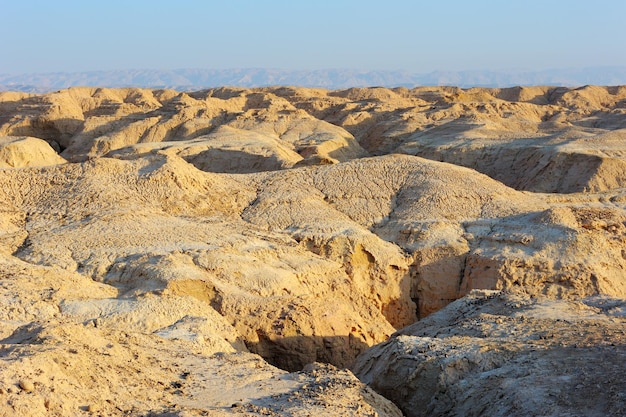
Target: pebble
[[92, 408], [27, 385]]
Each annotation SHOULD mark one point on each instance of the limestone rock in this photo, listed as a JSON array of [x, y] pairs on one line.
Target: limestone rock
[[226, 150], [498, 354], [547, 139], [123, 372], [185, 234], [18, 152]]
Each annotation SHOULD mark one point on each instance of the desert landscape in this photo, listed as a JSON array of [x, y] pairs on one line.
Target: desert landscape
[[287, 251]]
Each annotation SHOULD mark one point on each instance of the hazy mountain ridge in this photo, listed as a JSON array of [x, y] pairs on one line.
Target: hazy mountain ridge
[[193, 79]]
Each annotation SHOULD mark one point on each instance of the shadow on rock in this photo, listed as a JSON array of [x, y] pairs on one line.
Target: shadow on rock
[[293, 353]]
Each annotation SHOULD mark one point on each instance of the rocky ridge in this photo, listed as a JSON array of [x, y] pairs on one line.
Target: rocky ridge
[[493, 353], [183, 233]]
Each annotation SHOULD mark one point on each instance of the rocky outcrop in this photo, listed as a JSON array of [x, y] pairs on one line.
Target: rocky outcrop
[[301, 235], [19, 152], [542, 139], [494, 354], [233, 223], [150, 243]]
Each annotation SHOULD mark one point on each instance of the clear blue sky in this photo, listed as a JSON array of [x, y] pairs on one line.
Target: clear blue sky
[[417, 36]]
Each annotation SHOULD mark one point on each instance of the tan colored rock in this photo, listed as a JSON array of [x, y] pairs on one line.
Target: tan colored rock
[[226, 150], [123, 373], [19, 152], [191, 231], [573, 252], [27, 385], [504, 354], [208, 260], [531, 138]]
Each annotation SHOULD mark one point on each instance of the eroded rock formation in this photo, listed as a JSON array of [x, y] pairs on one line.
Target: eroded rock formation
[[302, 225], [495, 354]]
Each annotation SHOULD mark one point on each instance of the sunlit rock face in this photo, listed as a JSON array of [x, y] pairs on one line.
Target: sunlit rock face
[[209, 239]]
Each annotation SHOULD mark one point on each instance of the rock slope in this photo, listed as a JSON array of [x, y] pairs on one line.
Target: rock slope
[[496, 354], [167, 252]]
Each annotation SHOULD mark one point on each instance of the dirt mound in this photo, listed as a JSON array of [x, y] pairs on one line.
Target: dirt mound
[[18, 152]]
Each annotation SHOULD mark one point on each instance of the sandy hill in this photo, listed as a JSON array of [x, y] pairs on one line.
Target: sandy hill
[[235, 251]]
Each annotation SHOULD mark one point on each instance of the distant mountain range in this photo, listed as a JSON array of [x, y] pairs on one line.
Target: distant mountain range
[[193, 79]]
